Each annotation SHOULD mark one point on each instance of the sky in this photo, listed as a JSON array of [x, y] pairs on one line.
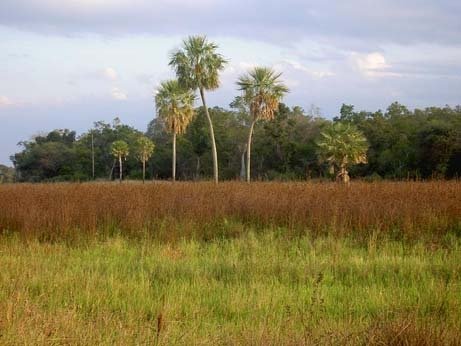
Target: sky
[[69, 63]]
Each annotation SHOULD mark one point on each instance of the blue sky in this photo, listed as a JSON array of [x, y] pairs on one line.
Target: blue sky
[[66, 64]]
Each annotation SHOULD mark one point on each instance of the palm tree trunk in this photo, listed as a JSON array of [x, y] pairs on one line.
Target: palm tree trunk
[[121, 168], [250, 135], [213, 142], [197, 169], [92, 154], [344, 175], [346, 178], [242, 165], [143, 171], [111, 174], [173, 168]]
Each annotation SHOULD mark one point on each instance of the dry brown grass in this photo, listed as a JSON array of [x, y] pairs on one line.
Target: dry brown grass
[[203, 210], [409, 332]]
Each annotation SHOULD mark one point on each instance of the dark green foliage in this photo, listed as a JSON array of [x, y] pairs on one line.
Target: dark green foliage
[[403, 144], [48, 157], [7, 174], [60, 156]]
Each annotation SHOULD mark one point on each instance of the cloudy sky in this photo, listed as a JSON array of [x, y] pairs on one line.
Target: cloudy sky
[[68, 63]]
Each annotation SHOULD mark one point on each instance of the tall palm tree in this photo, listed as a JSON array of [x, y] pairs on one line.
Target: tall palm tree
[[197, 66], [342, 145], [262, 91], [120, 150], [144, 149], [175, 106]]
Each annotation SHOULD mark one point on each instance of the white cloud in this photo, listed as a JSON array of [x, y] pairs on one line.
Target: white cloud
[[283, 66], [318, 74], [110, 73], [373, 65], [373, 61], [5, 101], [118, 94], [235, 69]]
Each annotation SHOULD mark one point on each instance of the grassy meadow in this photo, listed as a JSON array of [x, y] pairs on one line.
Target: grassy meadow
[[258, 264]]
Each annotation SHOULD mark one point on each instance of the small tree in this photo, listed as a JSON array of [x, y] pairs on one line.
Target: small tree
[[262, 91], [120, 151], [342, 145], [175, 106], [144, 149]]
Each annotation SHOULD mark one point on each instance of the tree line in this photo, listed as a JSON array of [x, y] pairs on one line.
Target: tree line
[[258, 136], [402, 144]]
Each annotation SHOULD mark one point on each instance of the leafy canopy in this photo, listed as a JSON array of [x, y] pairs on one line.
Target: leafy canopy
[[144, 148], [262, 91], [175, 106], [120, 149], [342, 144], [197, 64]]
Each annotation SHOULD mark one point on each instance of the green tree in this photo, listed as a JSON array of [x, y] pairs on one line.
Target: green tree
[[175, 106], [197, 136], [262, 91], [48, 157], [101, 137], [197, 66], [342, 145], [7, 174], [144, 149], [284, 148], [120, 151]]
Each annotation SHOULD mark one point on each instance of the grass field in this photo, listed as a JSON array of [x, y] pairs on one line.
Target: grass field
[[203, 211], [265, 264]]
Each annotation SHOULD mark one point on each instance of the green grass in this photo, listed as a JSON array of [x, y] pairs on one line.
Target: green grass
[[260, 288]]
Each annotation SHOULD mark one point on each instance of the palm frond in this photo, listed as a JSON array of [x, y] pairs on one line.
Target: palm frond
[[342, 144], [175, 105], [262, 91], [197, 64]]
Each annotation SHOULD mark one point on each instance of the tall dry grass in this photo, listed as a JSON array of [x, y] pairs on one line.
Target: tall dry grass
[[203, 210]]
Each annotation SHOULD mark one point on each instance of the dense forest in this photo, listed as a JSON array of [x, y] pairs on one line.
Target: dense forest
[[402, 144]]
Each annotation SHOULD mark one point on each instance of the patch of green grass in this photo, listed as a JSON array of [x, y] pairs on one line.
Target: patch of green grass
[[259, 288]]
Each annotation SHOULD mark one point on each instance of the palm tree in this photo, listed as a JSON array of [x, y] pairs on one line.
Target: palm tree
[[175, 106], [144, 149], [197, 66], [262, 91], [120, 150], [342, 145]]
